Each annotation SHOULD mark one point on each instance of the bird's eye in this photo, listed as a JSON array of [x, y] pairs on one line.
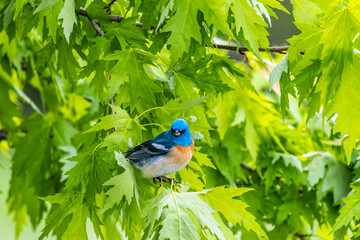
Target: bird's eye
[[182, 131], [176, 132]]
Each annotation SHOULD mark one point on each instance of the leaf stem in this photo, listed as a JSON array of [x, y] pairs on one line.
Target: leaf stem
[[97, 146], [93, 22], [148, 110], [192, 186], [152, 124]]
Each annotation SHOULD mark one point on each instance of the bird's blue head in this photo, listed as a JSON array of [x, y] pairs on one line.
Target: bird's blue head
[[180, 133]]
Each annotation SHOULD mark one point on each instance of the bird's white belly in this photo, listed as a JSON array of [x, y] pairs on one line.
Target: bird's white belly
[[160, 167]]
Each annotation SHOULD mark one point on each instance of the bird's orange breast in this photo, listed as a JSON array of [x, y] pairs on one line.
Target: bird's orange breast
[[182, 154]]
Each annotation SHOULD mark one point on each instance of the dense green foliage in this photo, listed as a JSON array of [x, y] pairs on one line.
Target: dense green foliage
[[276, 164]]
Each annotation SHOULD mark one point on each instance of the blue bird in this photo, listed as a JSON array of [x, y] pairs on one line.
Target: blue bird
[[167, 153]]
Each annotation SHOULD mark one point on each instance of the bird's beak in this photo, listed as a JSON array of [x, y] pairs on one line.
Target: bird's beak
[[176, 133]]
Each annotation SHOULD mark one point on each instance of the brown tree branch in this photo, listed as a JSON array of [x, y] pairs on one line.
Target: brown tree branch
[[108, 7], [117, 18], [281, 50], [93, 22]]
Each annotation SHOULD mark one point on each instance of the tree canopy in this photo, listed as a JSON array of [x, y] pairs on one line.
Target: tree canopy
[[276, 133]]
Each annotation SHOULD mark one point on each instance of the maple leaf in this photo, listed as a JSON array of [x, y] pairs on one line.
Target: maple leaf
[[67, 62], [130, 63], [69, 205], [306, 12], [250, 26], [351, 209], [337, 179], [127, 128], [215, 15], [346, 103], [123, 184], [183, 27], [178, 223], [307, 41], [276, 73], [316, 170], [222, 200], [67, 13], [343, 28], [222, 110]]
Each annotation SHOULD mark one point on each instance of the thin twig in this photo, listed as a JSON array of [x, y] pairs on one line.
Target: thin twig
[[108, 7], [241, 50], [244, 49], [113, 18], [99, 32], [93, 22], [247, 167]]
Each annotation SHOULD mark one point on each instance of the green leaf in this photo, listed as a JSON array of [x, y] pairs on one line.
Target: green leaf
[[130, 63], [306, 12], [222, 200], [203, 159], [8, 109], [178, 223], [123, 184], [304, 80], [286, 88], [223, 110], [346, 103], [343, 27], [183, 26], [45, 4], [69, 205], [288, 160], [274, 4], [292, 211], [51, 15], [337, 179], [63, 133], [67, 13], [127, 128], [92, 169], [127, 30], [183, 86], [189, 176], [276, 73], [67, 62], [112, 120], [175, 108], [32, 155], [351, 209], [249, 24], [306, 41], [214, 14], [316, 170], [252, 138], [18, 7]]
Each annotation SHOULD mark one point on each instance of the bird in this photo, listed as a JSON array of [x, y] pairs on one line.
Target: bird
[[167, 153]]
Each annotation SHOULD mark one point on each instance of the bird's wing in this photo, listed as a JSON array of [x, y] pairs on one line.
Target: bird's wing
[[152, 148]]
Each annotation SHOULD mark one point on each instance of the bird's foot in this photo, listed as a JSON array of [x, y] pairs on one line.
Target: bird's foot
[[156, 180], [170, 180], [164, 179]]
